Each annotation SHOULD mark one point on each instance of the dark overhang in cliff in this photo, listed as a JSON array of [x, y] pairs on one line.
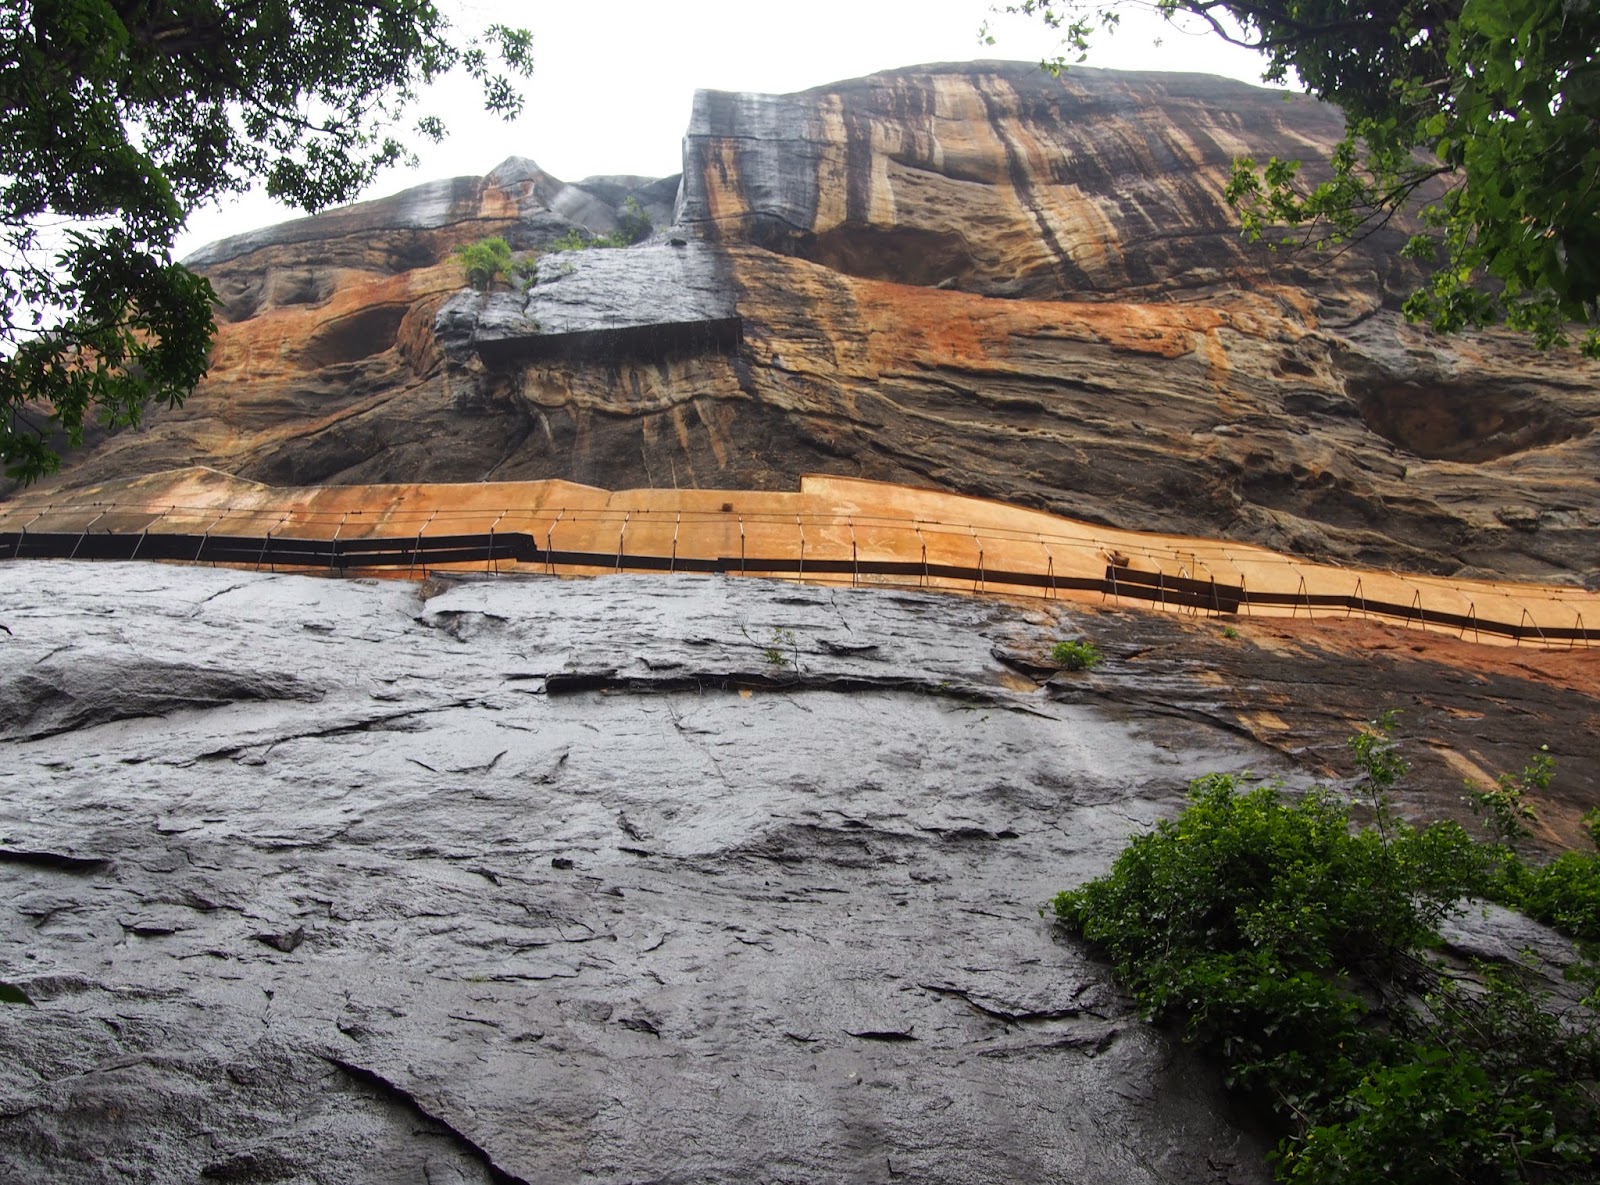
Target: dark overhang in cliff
[[647, 342]]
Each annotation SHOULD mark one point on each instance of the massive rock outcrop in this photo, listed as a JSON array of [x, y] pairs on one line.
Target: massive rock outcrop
[[712, 879], [973, 277], [639, 878]]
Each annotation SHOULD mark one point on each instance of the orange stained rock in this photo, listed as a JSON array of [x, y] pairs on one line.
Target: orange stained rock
[[272, 343], [932, 327]]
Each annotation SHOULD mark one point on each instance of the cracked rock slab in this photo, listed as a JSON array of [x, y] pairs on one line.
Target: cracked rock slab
[[565, 881]]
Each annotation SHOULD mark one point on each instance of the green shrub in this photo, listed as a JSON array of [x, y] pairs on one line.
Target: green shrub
[[1272, 934], [1564, 893], [526, 270], [634, 225], [1076, 656], [1504, 807], [485, 261], [573, 240]]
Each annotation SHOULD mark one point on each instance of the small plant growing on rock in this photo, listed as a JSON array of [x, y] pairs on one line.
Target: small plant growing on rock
[[526, 271], [1079, 655], [485, 261], [634, 225], [573, 240], [783, 650], [1504, 807]]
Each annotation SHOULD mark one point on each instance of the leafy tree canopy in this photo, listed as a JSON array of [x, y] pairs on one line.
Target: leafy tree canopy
[[118, 117], [1484, 115]]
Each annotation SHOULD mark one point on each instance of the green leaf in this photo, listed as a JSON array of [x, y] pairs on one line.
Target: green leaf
[[116, 120]]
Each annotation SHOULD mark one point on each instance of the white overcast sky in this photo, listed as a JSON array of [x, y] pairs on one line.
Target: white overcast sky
[[614, 79]]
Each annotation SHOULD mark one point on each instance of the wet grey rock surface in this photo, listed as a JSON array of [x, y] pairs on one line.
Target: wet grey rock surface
[[595, 291], [566, 881]]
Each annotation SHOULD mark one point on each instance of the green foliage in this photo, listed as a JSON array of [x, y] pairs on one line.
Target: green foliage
[[633, 225], [526, 270], [783, 650], [1564, 893], [1478, 114], [118, 119], [485, 261], [1273, 934], [1378, 758], [1504, 807], [1079, 655], [573, 240]]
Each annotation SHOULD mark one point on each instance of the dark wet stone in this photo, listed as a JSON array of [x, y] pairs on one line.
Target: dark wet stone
[[673, 923]]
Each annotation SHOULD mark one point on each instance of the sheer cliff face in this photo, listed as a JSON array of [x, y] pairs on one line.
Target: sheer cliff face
[[973, 277], [998, 179]]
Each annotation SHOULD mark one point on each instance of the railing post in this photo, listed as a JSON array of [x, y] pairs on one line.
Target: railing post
[[549, 542], [333, 544], [416, 549], [492, 564], [266, 545], [85, 533], [16, 550]]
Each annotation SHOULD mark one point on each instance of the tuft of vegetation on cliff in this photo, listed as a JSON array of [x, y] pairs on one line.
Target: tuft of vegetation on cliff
[[1294, 948], [485, 261], [634, 225]]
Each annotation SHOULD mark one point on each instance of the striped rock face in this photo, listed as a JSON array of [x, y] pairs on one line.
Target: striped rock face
[[973, 278], [998, 179]]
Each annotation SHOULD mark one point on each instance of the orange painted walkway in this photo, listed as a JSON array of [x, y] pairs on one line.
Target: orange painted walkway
[[841, 523]]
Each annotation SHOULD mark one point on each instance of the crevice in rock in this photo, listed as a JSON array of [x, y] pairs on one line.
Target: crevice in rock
[[64, 698], [899, 254], [361, 334], [369, 724], [991, 1007], [575, 682], [409, 1101], [1092, 1044], [882, 1034], [59, 861], [1443, 418]]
